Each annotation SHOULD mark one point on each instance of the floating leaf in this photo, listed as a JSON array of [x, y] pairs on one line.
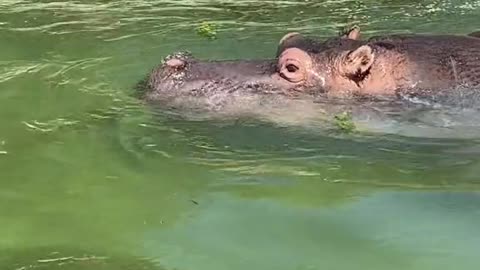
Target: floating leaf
[[345, 122], [207, 30]]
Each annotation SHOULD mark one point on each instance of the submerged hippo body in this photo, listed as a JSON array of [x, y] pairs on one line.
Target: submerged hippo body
[[343, 66]]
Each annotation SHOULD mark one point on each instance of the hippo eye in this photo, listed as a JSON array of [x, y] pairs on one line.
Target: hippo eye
[[293, 65], [292, 68], [292, 71]]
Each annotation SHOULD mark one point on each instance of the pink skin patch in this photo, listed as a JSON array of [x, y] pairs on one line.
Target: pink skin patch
[[175, 63], [295, 65]]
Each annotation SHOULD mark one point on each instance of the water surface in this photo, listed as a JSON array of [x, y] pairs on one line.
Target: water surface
[[93, 179]]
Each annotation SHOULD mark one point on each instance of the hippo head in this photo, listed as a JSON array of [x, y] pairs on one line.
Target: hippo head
[[337, 70], [345, 66], [302, 66], [340, 65]]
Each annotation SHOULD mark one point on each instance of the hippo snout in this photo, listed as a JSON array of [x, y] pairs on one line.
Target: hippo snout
[[181, 74]]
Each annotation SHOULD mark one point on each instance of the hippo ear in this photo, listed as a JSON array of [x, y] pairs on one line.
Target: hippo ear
[[352, 33], [357, 62], [292, 39], [289, 37]]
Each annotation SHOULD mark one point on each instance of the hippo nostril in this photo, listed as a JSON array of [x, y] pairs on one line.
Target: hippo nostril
[[176, 63], [292, 68]]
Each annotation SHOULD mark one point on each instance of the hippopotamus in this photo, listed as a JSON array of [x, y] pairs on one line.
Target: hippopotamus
[[343, 66]]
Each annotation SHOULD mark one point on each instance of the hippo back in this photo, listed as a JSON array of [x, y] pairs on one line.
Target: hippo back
[[444, 59]]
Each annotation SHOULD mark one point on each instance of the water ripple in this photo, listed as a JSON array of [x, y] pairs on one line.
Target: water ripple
[[127, 26], [61, 18], [12, 69], [49, 126]]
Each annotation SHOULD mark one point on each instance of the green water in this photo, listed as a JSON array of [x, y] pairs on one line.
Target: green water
[[90, 178]]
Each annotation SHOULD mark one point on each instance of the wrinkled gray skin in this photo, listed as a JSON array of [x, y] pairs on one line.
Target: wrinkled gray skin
[[218, 85], [418, 64], [200, 78]]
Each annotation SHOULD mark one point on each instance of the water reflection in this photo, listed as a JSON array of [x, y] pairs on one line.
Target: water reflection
[[256, 151], [236, 233]]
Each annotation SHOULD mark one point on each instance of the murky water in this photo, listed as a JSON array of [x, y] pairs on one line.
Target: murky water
[[93, 179]]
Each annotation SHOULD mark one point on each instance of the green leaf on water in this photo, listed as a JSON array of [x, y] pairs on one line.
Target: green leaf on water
[[207, 30], [344, 122]]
